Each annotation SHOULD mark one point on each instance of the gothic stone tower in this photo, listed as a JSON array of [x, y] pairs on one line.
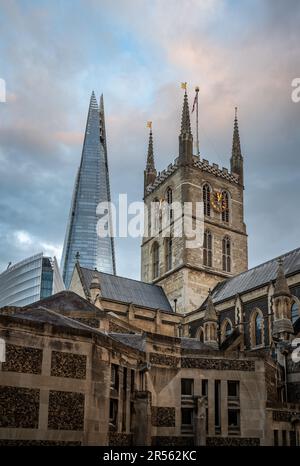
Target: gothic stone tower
[[185, 273]]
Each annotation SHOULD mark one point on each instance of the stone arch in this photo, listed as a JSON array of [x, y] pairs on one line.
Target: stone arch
[[295, 309], [200, 334], [225, 328], [257, 328]]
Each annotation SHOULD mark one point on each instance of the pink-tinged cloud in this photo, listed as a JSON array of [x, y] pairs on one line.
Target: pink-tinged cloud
[[69, 137]]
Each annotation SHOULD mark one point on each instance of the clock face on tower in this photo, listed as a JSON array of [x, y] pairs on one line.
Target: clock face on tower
[[218, 201]]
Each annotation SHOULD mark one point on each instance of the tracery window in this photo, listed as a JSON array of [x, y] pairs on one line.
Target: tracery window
[[206, 199], [226, 254]]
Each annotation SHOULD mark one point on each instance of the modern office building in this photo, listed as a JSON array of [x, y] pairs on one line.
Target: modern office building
[[30, 280], [91, 188]]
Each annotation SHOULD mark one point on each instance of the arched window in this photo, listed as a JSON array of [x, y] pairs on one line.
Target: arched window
[[200, 333], [155, 260], [257, 328], [155, 216], [207, 248], [169, 198], [226, 254], [206, 199], [295, 312], [228, 329], [168, 253], [225, 211]]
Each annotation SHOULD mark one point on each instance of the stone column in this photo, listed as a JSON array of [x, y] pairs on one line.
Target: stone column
[[120, 404], [200, 422], [128, 396], [142, 424], [224, 408], [211, 408]]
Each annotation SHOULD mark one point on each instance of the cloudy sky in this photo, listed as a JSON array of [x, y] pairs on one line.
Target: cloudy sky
[[53, 53]]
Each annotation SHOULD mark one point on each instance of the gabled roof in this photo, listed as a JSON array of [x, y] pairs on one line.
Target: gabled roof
[[127, 290], [137, 341], [44, 316], [64, 301], [256, 277]]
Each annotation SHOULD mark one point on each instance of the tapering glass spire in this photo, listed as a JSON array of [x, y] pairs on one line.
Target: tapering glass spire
[[91, 188]]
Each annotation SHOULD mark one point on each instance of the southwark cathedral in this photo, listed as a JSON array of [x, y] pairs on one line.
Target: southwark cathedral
[[201, 351]]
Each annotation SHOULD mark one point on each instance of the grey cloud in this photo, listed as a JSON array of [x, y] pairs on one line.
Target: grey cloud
[[247, 57]]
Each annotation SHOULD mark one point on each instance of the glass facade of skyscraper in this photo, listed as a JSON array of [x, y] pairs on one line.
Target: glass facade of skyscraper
[[30, 280], [91, 187]]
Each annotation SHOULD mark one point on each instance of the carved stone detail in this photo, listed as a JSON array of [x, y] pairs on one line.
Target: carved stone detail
[[168, 441], [19, 407], [162, 416], [23, 359], [94, 323], [119, 439], [164, 360], [66, 410], [285, 416], [218, 364], [232, 441], [68, 365]]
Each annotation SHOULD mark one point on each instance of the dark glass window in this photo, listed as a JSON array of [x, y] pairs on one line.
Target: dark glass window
[[187, 387], [207, 249], [113, 411], [168, 246], [114, 377], [258, 329], [204, 387], [132, 377], [186, 416], [284, 438], [169, 201], [295, 312], [217, 406], [206, 199], [233, 419], [228, 329], [233, 388], [155, 258], [47, 278], [293, 442], [225, 211], [226, 254], [276, 442]]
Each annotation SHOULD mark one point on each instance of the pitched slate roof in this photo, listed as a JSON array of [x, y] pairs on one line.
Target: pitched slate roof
[[256, 277], [137, 341], [64, 301], [127, 290], [43, 315]]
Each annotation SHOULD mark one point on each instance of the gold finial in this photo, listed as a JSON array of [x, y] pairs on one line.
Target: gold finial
[[184, 86], [149, 124], [235, 110]]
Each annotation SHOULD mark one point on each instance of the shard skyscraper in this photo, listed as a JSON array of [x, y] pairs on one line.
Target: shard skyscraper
[[91, 187]]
